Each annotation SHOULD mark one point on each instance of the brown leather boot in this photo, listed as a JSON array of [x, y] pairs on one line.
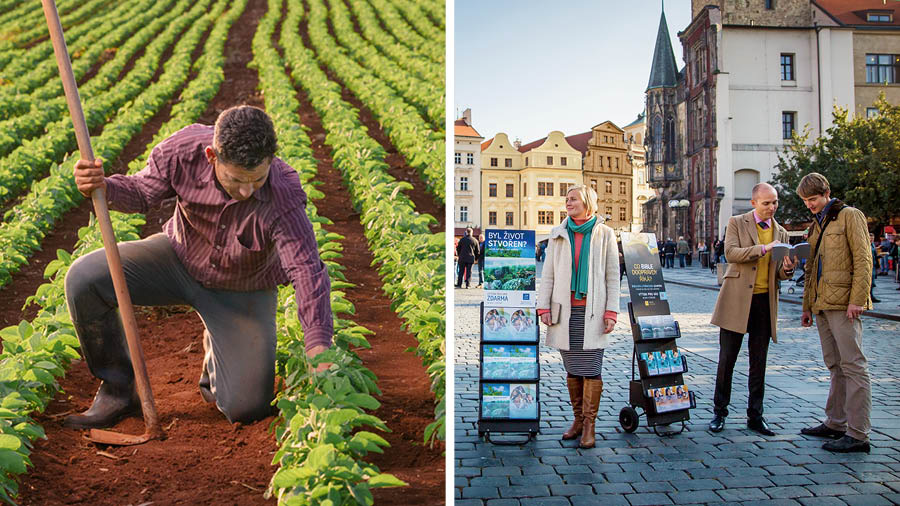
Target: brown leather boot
[[593, 389], [576, 394], [110, 405]]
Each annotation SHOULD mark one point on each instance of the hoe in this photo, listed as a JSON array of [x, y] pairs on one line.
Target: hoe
[[98, 196]]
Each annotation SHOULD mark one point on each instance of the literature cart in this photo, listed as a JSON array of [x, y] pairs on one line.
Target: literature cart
[[509, 373], [509, 369], [658, 390]]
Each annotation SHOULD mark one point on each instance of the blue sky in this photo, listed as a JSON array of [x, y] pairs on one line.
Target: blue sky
[[528, 67]]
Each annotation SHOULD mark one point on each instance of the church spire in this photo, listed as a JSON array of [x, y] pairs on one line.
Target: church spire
[[664, 72]]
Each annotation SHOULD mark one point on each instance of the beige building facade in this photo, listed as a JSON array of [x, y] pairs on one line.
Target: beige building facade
[[550, 167], [501, 205], [524, 187], [607, 169]]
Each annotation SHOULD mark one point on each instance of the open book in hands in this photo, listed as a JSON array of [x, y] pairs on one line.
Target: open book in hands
[[797, 251]]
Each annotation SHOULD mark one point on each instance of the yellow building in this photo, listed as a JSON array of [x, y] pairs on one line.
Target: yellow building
[[500, 184], [524, 187], [607, 169], [550, 167]]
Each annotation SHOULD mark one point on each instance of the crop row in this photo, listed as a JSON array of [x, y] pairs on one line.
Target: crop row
[[398, 26], [435, 11], [25, 225], [30, 114], [15, 10], [32, 158], [385, 42], [33, 75], [9, 50], [422, 95], [36, 353], [420, 21], [35, 65], [410, 257], [321, 452], [422, 147], [23, 18]]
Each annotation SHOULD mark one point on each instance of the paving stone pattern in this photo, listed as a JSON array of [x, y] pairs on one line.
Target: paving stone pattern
[[695, 467]]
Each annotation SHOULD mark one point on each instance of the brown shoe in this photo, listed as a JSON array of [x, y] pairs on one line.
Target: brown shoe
[[593, 389], [110, 405], [576, 395]]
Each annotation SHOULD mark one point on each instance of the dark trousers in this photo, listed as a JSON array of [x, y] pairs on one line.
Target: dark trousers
[[681, 260], [760, 331], [480, 273], [239, 341], [670, 260], [465, 272]]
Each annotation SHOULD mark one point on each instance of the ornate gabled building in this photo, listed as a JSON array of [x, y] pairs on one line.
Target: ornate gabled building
[[663, 141], [607, 170]]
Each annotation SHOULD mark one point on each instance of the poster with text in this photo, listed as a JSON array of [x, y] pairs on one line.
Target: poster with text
[[644, 271], [510, 324], [509, 268]]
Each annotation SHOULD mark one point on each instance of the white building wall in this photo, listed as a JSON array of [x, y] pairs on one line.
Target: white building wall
[[471, 198], [751, 97]]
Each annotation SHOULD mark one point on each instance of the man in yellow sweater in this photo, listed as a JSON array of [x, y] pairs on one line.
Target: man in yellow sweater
[[748, 303]]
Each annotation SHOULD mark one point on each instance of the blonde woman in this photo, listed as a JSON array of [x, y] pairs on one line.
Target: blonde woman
[[578, 300]]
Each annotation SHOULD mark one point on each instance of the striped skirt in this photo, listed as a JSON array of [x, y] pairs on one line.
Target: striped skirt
[[577, 360]]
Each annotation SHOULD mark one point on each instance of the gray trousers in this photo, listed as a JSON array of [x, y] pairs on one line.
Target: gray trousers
[[849, 403], [239, 341]]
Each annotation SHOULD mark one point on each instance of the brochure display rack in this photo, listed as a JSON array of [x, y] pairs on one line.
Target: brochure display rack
[[509, 350], [658, 390]]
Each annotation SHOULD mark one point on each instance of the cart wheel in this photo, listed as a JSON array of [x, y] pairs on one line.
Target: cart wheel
[[628, 417], [791, 290]]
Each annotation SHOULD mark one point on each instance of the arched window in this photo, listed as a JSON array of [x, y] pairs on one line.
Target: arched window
[[656, 135], [670, 140], [744, 181]]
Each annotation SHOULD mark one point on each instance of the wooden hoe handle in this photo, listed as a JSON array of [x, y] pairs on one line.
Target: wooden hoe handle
[[98, 197]]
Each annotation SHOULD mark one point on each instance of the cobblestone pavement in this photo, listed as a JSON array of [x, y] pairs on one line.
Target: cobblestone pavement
[[733, 466]]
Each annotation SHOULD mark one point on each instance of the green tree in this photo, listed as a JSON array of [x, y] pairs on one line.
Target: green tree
[[859, 156]]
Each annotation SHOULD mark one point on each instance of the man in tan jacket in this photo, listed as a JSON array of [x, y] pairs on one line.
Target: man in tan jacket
[[748, 303], [838, 277]]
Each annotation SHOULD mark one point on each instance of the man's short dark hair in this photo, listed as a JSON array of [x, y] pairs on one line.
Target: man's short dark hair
[[244, 136]]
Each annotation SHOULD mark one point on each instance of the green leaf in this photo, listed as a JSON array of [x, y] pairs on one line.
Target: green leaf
[[386, 480], [10, 442], [12, 462]]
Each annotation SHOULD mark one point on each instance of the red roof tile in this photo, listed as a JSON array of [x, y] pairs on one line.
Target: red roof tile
[[463, 128], [853, 12], [486, 144]]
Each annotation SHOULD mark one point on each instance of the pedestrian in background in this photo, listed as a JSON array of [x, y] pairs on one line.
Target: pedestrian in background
[[837, 292], [578, 300], [683, 250], [874, 250], [669, 248], [467, 251], [748, 303], [480, 260]]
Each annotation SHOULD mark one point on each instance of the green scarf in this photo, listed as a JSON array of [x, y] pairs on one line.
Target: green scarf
[[580, 274]]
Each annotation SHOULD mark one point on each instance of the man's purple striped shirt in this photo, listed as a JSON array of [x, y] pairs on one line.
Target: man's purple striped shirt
[[225, 244]]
